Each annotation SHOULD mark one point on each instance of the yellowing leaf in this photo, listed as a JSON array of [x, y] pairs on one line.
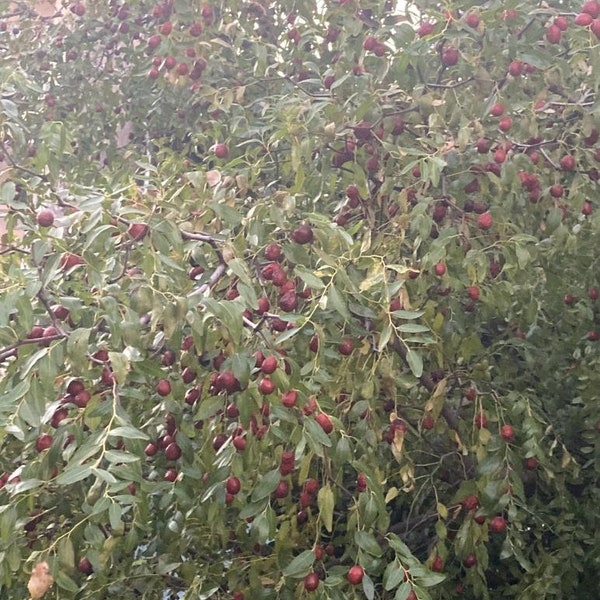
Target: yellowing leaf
[[442, 510], [326, 502]]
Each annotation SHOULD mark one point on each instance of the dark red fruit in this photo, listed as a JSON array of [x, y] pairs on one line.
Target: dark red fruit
[[303, 234], [485, 221], [289, 398], [163, 387], [85, 566], [470, 561], [221, 150], [266, 386], [311, 582], [233, 485], [282, 490], [137, 231], [45, 218], [345, 347], [355, 574], [325, 422], [508, 433], [173, 451], [470, 502], [498, 524], [43, 442]]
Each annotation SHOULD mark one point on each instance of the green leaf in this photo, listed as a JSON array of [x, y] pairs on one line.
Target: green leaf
[[368, 587], [66, 554], [77, 346], [336, 301], [64, 582], [393, 576], [120, 366], [266, 486], [129, 433], [316, 433], [326, 503], [367, 542], [415, 362], [300, 565], [430, 579], [73, 474], [413, 328], [117, 456], [311, 280], [384, 337], [404, 590], [114, 515]]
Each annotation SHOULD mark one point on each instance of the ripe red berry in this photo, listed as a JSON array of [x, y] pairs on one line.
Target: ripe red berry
[[311, 582], [355, 574], [470, 561], [449, 56], [485, 221], [473, 292], [289, 398], [45, 218], [303, 234], [583, 19], [498, 524], [43, 442], [172, 451], [567, 162], [472, 20], [505, 124], [471, 502], [221, 150], [345, 347], [439, 269], [425, 29], [531, 463], [233, 485], [592, 8], [171, 475], [557, 190], [507, 433], [163, 387], [269, 365], [85, 566], [325, 422], [282, 490], [437, 564], [266, 386], [553, 34], [497, 110]]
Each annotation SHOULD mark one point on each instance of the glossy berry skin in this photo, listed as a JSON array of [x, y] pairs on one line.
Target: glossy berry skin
[[233, 485], [355, 574], [45, 218], [498, 524], [325, 422], [507, 433], [311, 582], [470, 561]]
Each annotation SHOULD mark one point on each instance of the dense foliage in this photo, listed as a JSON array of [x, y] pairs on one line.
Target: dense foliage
[[299, 299]]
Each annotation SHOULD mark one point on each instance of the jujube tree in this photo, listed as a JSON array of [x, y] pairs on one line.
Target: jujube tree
[[299, 299]]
